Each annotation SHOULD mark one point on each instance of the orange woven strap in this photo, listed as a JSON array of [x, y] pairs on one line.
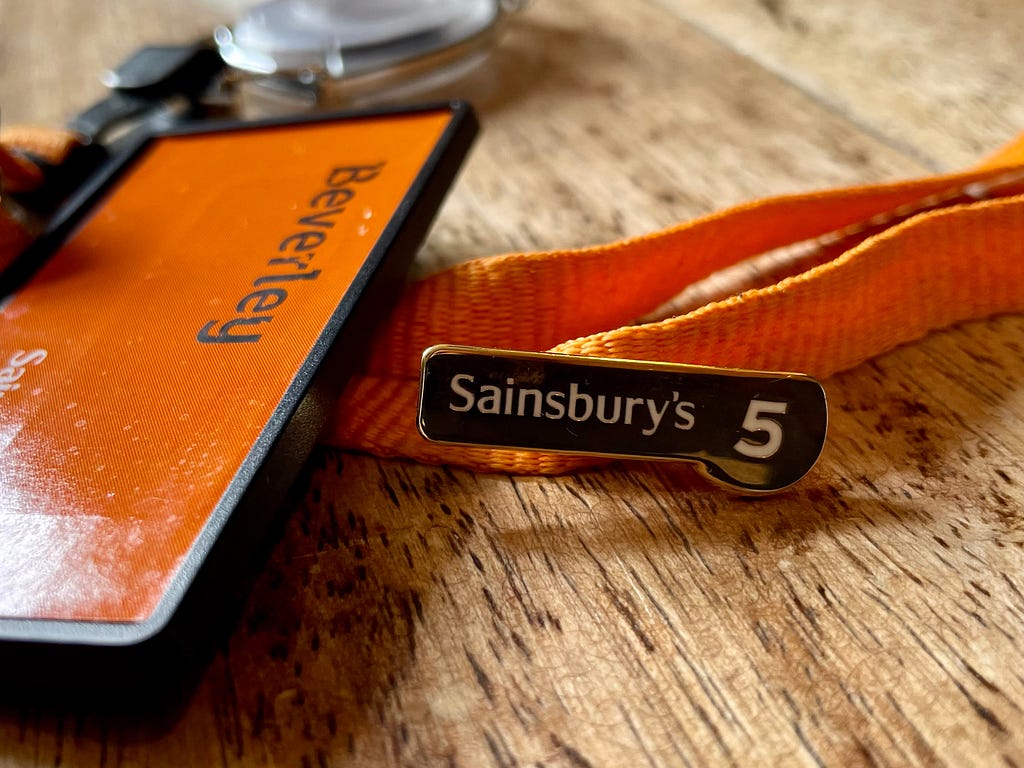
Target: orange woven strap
[[905, 259], [20, 148], [22, 145]]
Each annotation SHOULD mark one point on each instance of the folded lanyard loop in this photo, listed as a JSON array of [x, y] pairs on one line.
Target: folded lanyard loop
[[938, 267]]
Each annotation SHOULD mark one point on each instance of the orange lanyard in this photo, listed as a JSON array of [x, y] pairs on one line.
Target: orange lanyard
[[895, 261]]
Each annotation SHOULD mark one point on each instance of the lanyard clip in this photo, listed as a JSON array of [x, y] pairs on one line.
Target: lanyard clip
[[153, 88]]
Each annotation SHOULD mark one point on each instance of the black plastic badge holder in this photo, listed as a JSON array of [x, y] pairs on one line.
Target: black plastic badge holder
[[212, 578]]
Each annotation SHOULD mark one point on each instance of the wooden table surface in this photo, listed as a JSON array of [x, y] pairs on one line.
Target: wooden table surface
[[419, 616]]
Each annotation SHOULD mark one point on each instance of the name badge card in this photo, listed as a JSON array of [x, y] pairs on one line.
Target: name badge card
[[168, 351]]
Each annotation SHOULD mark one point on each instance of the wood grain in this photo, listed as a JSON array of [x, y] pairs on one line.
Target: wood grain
[[420, 616], [938, 78]]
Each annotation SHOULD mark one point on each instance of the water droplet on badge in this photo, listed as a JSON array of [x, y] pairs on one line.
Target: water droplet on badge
[[367, 213], [81, 423]]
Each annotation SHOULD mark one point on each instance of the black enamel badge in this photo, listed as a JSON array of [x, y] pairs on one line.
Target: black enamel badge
[[750, 430]]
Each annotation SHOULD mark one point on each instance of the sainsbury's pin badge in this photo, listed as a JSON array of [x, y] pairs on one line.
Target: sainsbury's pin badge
[[753, 431]]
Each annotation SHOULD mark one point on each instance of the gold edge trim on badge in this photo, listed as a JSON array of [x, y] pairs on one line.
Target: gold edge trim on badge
[[608, 362], [700, 466]]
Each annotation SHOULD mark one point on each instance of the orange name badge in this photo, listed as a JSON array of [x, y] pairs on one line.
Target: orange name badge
[[164, 372]]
